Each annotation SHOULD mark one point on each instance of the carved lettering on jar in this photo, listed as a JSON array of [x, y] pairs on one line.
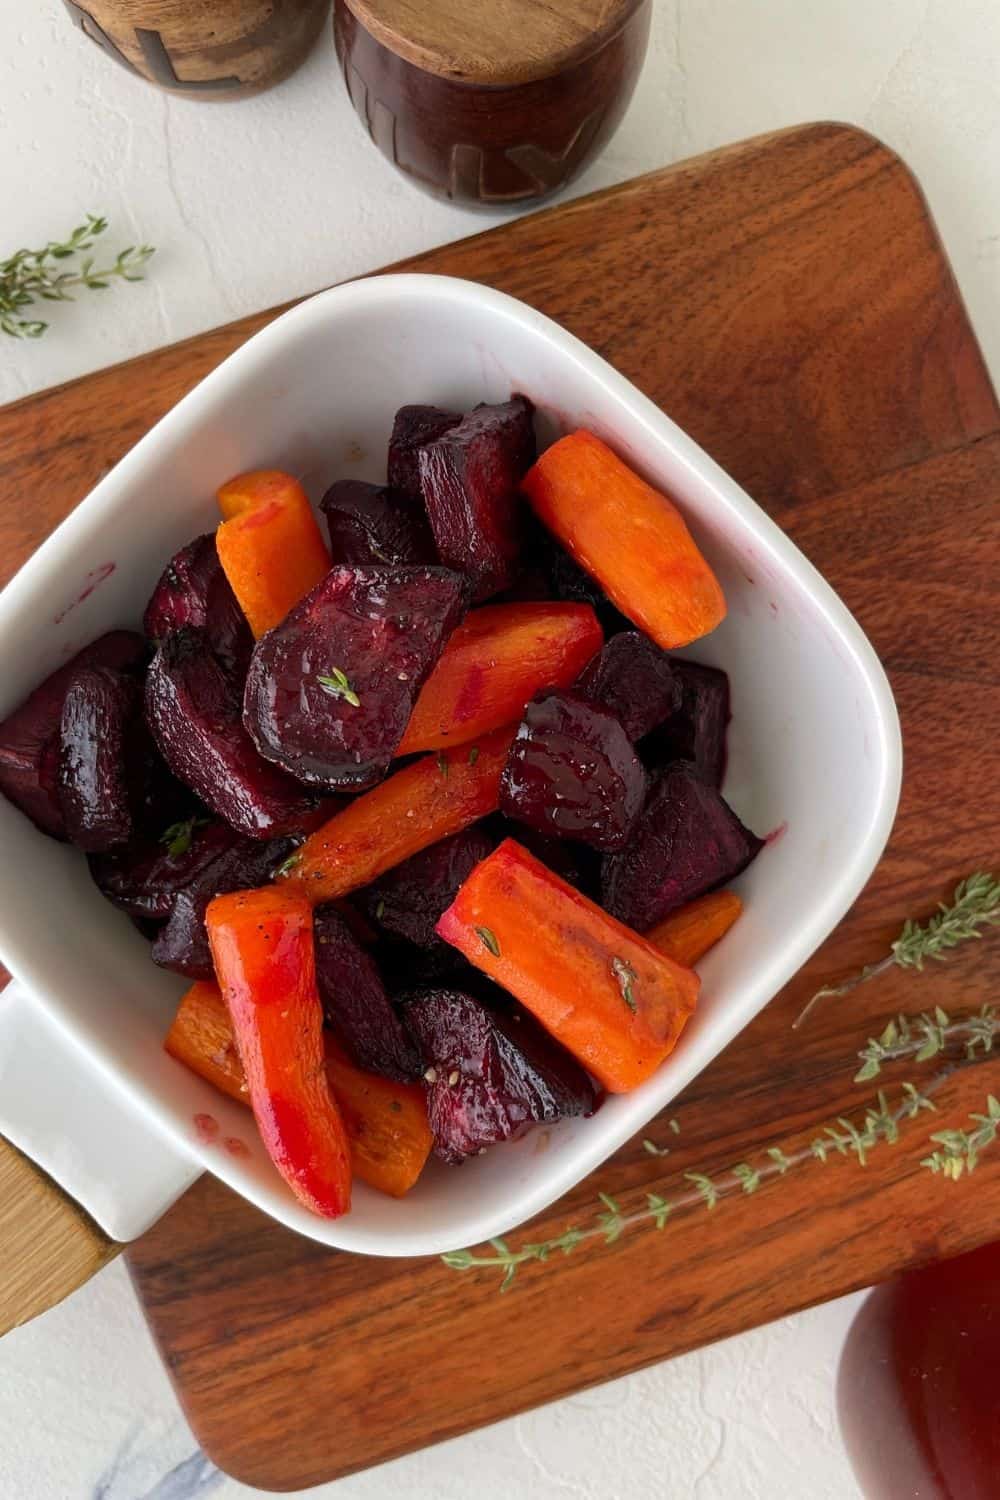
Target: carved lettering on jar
[[218, 50]]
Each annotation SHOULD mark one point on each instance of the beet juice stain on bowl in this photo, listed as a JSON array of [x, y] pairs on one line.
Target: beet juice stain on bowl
[[93, 581]]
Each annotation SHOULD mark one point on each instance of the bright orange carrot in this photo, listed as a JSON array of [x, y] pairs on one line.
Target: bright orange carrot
[[611, 998], [631, 538], [269, 545], [498, 658], [262, 949], [386, 1122], [419, 805], [686, 935]]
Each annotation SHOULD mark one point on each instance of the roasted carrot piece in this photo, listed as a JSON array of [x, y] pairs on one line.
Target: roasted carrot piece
[[269, 545], [631, 538], [498, 658], [611, 998], [419, 805], [386, 1122], [686, 935], [262, 949]]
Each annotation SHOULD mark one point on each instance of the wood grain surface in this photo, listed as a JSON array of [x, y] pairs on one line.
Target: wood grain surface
[[504, 42], [48, 1245], [788, 302], [223, 49]]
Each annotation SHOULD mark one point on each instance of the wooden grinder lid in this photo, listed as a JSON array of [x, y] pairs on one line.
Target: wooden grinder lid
[[493, 42]]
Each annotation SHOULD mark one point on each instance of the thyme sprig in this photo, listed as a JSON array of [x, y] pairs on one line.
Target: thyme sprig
[[30, 276], [925, 1036], [961, 1149], [844, 1137], [975, 903]]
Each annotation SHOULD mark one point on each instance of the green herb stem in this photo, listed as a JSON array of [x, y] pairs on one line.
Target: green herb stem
[[975, 904], [30, 276]]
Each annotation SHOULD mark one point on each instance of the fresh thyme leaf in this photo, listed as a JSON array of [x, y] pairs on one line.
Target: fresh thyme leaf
[[338, 686], [31, 275], [379, 909], [442, 763], [473, 755], [625, 975], [288, 864], [488, 939], [178, 837]]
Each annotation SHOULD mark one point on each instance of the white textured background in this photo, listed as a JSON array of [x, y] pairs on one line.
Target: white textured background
[[253, 203]]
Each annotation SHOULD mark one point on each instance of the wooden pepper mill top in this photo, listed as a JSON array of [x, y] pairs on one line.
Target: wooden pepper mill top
[[493, 43], [493, 102]]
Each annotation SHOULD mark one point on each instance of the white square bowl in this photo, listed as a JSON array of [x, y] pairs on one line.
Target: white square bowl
[[814, 746]]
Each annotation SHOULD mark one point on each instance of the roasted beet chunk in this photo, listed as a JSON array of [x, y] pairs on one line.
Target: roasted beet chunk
[[697, 730], [194, 714], [567, 580], [688, 841], [144, 877], [193, 590], [330, 689], [575, 863], [572, 771], [491, 1073], [29, 737], [633, 679], [371, 523], [469, 479], [408, 900], [356, 1004], [412, 428], [182, 942], [98, 714]]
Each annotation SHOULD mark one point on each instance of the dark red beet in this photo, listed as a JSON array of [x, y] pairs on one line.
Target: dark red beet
[[567, 580], [330, 689], [572, 772], [194, 590], [408, 900], [371, 523], [688, 841], [194, 714], [182, 942], [574, 862], [356, 1004], [469, 479], [510, 1073], [144, 877], [697, 731], [633, 679], [99, 710], [412, 427], [29, 737]]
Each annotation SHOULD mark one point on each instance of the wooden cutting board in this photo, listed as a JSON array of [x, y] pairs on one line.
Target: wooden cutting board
[[788, 302]]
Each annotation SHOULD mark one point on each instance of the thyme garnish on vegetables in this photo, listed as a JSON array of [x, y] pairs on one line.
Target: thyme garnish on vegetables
[[337, 685], [975, 904], [488, 939], [625, 974], [178, 836], [29, 276]]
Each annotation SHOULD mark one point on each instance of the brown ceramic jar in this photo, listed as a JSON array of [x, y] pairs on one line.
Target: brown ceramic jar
[[491, 104], [206, 49]]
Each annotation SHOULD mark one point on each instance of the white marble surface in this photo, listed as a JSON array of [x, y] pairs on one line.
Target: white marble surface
[[253, 203]]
